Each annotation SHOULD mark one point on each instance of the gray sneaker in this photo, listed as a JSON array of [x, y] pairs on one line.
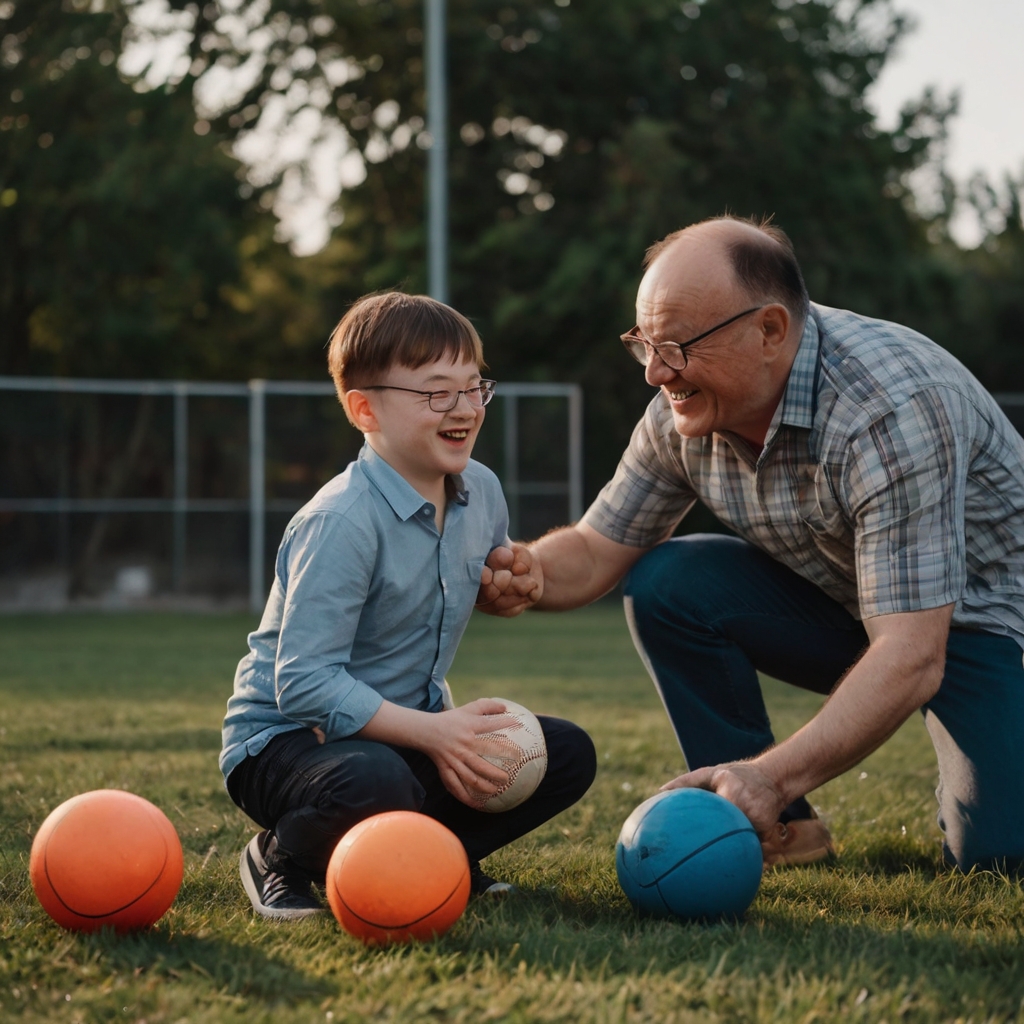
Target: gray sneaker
[[282, 896]]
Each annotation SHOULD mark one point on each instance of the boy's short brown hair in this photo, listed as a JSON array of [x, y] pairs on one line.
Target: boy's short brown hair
[[385, 328]]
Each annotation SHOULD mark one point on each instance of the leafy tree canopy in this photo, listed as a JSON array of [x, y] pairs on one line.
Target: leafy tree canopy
[[581, 131], [120, 223]]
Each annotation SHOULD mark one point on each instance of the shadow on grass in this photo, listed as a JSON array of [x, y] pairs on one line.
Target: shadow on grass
[[233, 969], [821, 924], [891, 858]]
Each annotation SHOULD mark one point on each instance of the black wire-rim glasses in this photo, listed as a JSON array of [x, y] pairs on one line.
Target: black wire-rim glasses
[[671, 353], [444, 401]]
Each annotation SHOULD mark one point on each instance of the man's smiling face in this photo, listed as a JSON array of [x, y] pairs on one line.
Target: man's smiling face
[[727, 383]]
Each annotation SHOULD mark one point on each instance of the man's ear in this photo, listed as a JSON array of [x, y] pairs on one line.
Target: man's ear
[[360, 411], [775, 322]]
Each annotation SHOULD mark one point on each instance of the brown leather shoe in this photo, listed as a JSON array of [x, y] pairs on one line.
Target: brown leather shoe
[[804, 841]]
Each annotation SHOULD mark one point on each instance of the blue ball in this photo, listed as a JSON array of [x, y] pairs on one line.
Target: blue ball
[[689, 854]]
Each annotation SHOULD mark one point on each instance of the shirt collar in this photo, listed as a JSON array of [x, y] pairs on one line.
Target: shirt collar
[[456, 489], [800, 398], [403, 498]]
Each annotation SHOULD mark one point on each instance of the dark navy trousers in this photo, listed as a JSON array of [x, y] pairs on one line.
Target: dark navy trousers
[[310, 794], [709, 612]]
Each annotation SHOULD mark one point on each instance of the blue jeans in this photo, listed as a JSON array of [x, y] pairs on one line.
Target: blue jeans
[[310, 794], [708, 612]]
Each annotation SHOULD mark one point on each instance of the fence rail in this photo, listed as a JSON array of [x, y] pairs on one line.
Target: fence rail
[[257, 504]]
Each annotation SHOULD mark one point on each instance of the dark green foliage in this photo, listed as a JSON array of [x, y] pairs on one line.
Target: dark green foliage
[[120, 224], [665, 114], [991, 336], [579, 134]]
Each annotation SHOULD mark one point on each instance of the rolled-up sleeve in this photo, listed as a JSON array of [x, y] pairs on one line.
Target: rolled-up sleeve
[[648, 496], [326, 564], [905, 485]]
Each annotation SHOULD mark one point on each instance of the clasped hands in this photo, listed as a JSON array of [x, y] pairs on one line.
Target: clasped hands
[[511, 581]]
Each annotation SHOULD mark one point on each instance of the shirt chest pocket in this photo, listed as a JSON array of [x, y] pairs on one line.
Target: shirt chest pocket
[[827, 526], [818, 509], [474, 566]]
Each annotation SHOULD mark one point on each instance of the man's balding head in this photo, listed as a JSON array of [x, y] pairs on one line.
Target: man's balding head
[[759, 256], [729, 295]]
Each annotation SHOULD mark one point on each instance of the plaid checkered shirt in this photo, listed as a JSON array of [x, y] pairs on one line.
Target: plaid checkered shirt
[[889, 477]]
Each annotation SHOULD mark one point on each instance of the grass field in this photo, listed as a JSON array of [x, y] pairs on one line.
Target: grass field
[[883, 934]]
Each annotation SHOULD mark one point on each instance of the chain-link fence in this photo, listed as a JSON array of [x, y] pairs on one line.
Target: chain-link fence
[[135, 493]]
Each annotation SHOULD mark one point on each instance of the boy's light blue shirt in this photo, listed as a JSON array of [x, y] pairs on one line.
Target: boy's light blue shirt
[[369, 604]]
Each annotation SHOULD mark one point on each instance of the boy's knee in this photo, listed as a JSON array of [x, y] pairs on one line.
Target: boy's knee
[[374, 781], [571, 754]]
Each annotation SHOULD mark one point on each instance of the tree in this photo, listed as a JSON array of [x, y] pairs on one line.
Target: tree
[[121, 216], [991, 293], [585, 130], [123, 237]]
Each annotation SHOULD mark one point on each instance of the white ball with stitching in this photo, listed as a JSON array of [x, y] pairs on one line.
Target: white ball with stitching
[[520, 750]]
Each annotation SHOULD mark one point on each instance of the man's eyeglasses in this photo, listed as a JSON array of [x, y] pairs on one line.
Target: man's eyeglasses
[[671, 353], [444, 401]]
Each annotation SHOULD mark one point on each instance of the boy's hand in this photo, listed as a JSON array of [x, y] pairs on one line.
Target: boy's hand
[[457, 745], [512, 581]]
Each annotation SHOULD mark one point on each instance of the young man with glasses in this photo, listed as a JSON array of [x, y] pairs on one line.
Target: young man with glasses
[[876, 494], [340, 709]]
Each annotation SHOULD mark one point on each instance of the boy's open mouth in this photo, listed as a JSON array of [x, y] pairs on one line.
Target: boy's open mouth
[[454, 435]]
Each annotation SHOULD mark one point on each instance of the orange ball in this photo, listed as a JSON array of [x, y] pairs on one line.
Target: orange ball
[[396, 877], [106, 858]]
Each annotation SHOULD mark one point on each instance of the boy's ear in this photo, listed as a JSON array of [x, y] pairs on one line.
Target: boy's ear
[[359, 411]]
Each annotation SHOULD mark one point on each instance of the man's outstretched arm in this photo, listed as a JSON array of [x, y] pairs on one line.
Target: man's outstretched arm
[[566, 568], [899, 672]]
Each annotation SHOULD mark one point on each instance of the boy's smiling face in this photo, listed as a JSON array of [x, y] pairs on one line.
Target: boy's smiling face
[[422, 445]]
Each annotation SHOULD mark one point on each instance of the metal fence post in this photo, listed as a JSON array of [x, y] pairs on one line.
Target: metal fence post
[[257, 491], [177, 506], [180, 485], [575, 453], [511, 476]]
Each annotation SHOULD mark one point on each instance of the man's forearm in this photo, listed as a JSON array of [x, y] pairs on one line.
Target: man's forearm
[[876, 697], [900, 671], [579, 566]]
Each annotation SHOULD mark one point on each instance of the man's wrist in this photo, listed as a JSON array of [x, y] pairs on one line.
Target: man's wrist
[[772, 770]]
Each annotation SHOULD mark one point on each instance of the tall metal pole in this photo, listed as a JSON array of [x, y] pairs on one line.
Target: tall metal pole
[[257, 492], [180, 485], [575, 453], [510, 481], [437, 156]]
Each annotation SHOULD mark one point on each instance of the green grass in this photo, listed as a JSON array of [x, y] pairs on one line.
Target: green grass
[[883, 934]]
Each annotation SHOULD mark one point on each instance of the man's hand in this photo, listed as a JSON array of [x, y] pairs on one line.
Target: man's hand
[[512, 581], [899, 672], [456, 742], [742, 783]]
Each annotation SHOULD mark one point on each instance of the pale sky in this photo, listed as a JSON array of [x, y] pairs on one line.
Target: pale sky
[[973, 45]]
